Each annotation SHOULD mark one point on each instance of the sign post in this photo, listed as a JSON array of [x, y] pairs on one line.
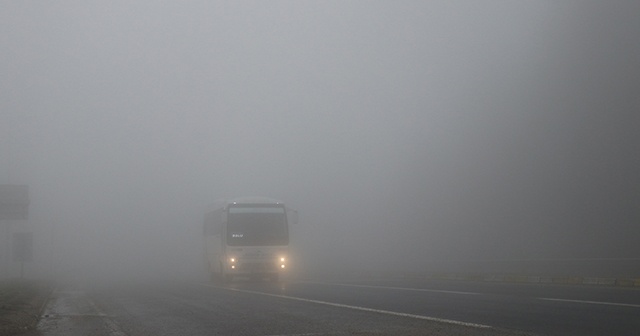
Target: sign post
[[14, 205], [22, 249]]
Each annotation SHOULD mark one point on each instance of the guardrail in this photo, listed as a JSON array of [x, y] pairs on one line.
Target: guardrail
[[511, 278], [613, 272]]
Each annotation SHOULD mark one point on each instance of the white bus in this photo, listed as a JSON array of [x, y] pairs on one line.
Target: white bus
[[247, 237]]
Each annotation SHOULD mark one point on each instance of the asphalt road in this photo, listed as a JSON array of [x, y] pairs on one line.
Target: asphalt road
[[394, 307]]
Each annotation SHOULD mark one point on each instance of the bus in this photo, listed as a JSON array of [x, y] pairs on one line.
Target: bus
[[247, 237]]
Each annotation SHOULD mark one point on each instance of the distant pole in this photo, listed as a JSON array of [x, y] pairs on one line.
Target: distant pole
[[8, 156], [6, 230], [5, 256]]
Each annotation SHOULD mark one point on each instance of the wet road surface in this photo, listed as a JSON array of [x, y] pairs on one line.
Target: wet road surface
[[397, 307]]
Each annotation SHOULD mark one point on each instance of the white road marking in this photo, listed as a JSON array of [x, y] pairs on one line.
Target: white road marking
[[65, 304], [594, 302], [395, 288], [73, 315], [114, 329], [340, 305], [308, 334], [471, 293]]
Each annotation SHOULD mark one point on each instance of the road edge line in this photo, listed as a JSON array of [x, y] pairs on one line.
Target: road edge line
[[372, 310]]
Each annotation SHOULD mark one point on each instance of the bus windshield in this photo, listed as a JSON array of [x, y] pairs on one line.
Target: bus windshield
[[257, 226]]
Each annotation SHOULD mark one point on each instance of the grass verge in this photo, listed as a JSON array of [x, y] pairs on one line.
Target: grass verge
[[21, 302]]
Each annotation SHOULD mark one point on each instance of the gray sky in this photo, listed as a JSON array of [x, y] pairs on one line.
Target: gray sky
[[458, 129]]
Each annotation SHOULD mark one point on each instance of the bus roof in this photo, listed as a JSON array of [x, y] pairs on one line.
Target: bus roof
[[254, 200], [223, 203]]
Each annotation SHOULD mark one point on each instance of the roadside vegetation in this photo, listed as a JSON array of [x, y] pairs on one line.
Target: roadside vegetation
[[21, 302]]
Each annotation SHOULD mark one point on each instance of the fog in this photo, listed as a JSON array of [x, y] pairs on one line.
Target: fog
[[404, 133]]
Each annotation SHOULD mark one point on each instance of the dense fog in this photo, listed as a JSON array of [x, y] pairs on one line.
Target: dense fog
[[406, 134]]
